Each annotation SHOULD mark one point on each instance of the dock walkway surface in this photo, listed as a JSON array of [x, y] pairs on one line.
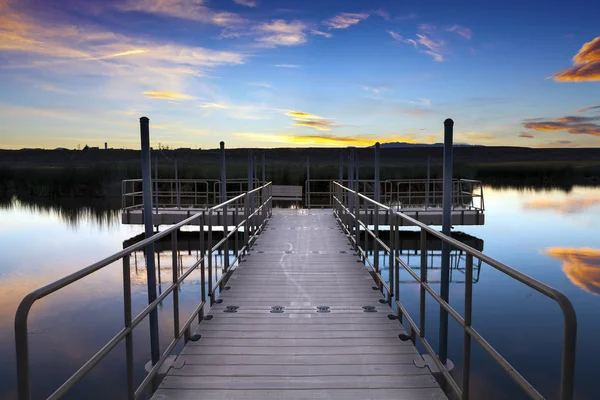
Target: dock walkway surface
[[300, 329]]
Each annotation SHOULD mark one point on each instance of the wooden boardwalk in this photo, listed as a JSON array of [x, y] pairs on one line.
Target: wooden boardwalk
[[300, 262]]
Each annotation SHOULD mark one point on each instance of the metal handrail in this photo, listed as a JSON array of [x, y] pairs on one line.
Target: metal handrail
[[464, 192], [348, 217], [257, 208]]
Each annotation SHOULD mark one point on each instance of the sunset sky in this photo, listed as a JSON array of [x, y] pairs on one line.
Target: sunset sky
[[268, 73]]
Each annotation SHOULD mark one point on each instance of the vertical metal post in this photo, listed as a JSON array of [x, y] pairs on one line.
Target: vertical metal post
[[357, 170], [423, 270], [308, 182], [356, 222], [467, 338], [175, 269], [265, 190], [156, 183], [225, 213], [376, 216], [427, 184], [341, 168], [177, 195], [392, 257], [350, 183], [129, 336], [446, 227], [250, 184], [202, 266], [246, 224], [150, 268], [210, 258]]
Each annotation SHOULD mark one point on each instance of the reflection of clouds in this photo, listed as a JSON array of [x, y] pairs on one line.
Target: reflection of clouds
[[564, 206], [582, 266]]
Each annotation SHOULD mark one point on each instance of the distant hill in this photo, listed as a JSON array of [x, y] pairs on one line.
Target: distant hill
[[401, 145]]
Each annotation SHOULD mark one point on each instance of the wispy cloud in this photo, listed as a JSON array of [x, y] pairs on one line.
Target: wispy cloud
[[318, 124], [304, 119], [288, 65], [166, 95], [586, 64], [321, 33], [127, 65], [461, 30], [576, 125], [260, 84], [345, 20], [51, 88], [302, 115], [183, 9], [585, 109], [376, 89], [430, 46], [247, 3], [281, 33], [527, 135], [213, 105]]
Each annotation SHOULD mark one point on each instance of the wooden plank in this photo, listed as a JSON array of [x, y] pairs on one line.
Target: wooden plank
[[299, 370], [278, 394], [299, 382], [302, 342], [298, 350], [299, 359]]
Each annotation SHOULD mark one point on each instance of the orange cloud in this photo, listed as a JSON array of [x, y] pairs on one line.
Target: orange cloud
[[582, 266], [166, 95], [565, 206], [302, 115], [527, 135], [318, 124], [584, 109], [310, 120], [586, 64], [575, 125]]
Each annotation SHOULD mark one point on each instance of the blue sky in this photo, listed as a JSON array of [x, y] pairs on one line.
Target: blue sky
[[298, 73]]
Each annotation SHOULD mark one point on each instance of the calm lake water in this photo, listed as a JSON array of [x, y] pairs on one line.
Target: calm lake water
[[550, 235]]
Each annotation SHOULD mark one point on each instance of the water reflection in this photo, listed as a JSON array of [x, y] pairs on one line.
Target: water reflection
[[568, 205], [582, 266], [73, 212], [410, 252]]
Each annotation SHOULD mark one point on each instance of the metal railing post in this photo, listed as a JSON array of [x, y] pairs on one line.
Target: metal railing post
[[175, 271], [150, 268], [376, 213], [156, 183], [308, 182], [129, 336], [177, 194], [466, 373], [423, 270], [265, 190], [246, 223], [393, 228], [427, 184], [225, 212], [341, 172], [356, 222], [210, 257], [202, 266], [446, 227]]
